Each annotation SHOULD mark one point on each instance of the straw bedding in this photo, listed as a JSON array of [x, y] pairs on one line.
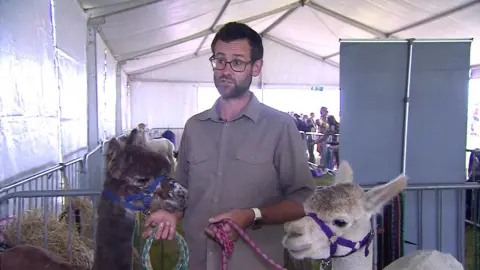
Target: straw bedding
[[32, 232], [85, 207]]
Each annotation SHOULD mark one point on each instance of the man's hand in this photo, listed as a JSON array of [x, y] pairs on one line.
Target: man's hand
[[242, 217], [166, 222]]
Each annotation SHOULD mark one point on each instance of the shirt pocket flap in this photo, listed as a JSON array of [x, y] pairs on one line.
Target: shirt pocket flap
[[254, 155], [196, 158]]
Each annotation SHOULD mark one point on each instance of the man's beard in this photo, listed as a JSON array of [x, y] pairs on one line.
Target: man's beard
[[237, 91]]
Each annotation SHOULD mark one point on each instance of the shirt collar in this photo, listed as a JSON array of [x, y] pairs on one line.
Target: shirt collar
[[252, 110]]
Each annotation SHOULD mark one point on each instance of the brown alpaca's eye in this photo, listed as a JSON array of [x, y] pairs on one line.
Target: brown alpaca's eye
[[339, 223]]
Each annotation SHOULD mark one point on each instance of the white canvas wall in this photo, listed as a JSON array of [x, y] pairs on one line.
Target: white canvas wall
[[39, 121], [162, 104], [43, 111], [282, 65], [71, 33], [171, 86], [106, 78], [126, 101]]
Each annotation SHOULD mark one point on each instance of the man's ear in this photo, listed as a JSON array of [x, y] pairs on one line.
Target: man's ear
[[257, 67]]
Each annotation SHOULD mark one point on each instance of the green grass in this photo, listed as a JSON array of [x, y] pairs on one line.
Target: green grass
[[469, 248]]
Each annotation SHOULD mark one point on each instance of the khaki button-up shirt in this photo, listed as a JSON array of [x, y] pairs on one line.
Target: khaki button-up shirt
[[258, 159]]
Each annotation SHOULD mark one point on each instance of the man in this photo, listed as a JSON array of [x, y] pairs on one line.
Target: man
[[240, 160], [310, 139], [322, 126]]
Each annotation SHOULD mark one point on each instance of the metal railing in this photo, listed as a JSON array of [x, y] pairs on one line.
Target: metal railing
[[468, 228], [463, 221], [85, 176], [81, 173]]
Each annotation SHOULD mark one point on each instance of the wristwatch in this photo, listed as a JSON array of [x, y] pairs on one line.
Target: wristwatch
[[257, 220]]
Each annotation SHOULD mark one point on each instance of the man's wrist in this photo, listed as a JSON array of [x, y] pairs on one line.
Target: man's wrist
[[256, 219], [250, 214], [178, 215]]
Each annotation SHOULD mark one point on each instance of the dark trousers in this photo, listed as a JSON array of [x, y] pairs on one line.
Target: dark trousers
[[310, 148]]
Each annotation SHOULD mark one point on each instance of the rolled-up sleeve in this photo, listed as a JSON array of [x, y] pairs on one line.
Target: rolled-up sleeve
[[181, 170], [291, 162]]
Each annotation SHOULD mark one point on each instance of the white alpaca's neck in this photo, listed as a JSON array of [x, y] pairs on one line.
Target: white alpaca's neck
[[356, 260]]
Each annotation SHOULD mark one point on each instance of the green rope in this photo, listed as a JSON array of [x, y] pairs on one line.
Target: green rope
[[182, 263]]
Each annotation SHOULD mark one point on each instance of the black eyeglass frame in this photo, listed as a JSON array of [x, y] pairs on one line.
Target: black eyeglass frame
[[212, 58]]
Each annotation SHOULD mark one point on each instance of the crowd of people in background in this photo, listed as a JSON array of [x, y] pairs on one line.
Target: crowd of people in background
[[322, 132]]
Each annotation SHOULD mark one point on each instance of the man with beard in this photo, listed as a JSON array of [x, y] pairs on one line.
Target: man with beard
[[240, 160]]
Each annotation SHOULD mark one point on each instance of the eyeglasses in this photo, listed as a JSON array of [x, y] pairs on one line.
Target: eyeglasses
[[221, 63]]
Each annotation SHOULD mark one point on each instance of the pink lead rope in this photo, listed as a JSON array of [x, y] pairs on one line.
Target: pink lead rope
[[228, 246]]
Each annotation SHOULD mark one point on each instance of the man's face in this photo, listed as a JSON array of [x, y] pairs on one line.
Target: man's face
[[312, 115], [234, 82]]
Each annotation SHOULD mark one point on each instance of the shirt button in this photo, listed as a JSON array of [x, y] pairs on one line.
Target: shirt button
[[210, 253], [215, 200], [226, 124], [253, 159]]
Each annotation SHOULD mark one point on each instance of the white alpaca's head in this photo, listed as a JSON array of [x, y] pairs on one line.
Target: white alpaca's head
[[345, 209]]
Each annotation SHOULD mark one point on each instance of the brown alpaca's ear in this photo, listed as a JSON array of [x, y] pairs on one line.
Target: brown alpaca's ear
[[132, 136], [113, 149]]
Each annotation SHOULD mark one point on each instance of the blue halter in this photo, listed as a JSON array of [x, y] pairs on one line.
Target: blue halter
[[145, 196]]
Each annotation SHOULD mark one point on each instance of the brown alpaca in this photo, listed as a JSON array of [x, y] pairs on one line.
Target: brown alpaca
[[22, 257], [131, 168]]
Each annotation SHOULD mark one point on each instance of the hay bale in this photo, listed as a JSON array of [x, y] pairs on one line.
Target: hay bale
[[85, 207], [32, 232]]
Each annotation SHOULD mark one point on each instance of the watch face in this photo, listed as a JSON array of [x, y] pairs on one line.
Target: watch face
[[257, 224]]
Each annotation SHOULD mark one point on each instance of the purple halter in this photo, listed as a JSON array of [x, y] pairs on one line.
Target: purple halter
[[336, 241]]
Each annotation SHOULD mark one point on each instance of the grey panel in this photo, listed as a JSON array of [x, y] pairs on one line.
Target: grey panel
[[373, 78], [436, 142]]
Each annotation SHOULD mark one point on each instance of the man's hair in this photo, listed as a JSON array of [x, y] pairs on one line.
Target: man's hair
[[235, 31]]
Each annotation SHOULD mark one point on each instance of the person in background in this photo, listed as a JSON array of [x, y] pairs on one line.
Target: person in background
[[301, 125], [169, 135], [240, 160], [322, 121], [304, 117], [310, 121], [330, 136], [322, 126]]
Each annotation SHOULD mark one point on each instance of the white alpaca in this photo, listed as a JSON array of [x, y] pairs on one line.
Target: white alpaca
[[160, 145], [343, 211], [164, 146]]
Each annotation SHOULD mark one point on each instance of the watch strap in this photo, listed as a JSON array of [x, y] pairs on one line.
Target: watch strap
[[257, 213]]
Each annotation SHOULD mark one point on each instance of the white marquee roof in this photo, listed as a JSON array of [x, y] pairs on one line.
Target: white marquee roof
[[151, 34]]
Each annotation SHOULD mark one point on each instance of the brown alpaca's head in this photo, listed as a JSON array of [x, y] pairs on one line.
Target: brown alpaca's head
[[133, 167]]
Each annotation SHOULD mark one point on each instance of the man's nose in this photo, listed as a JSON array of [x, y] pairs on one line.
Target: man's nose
[[228, 69]]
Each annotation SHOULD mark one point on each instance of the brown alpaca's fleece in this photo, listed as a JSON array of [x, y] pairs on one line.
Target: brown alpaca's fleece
[[129, 165], [26, 257]]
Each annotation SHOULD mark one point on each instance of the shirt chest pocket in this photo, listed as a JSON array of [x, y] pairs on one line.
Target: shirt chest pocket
[[254, 162], [252, 156], [200, 173]]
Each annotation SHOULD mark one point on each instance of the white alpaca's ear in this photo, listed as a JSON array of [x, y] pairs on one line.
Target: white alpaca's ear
[[344, 174], [376, 198]]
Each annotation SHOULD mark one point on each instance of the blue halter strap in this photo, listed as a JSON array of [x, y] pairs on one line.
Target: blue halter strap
[[145, 196]]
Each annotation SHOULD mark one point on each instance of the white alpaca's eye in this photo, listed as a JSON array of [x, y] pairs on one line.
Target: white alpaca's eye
[[339, 223]]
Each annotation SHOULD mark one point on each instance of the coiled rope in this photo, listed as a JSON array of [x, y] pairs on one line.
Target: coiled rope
[[182, 263], [228, 246]]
